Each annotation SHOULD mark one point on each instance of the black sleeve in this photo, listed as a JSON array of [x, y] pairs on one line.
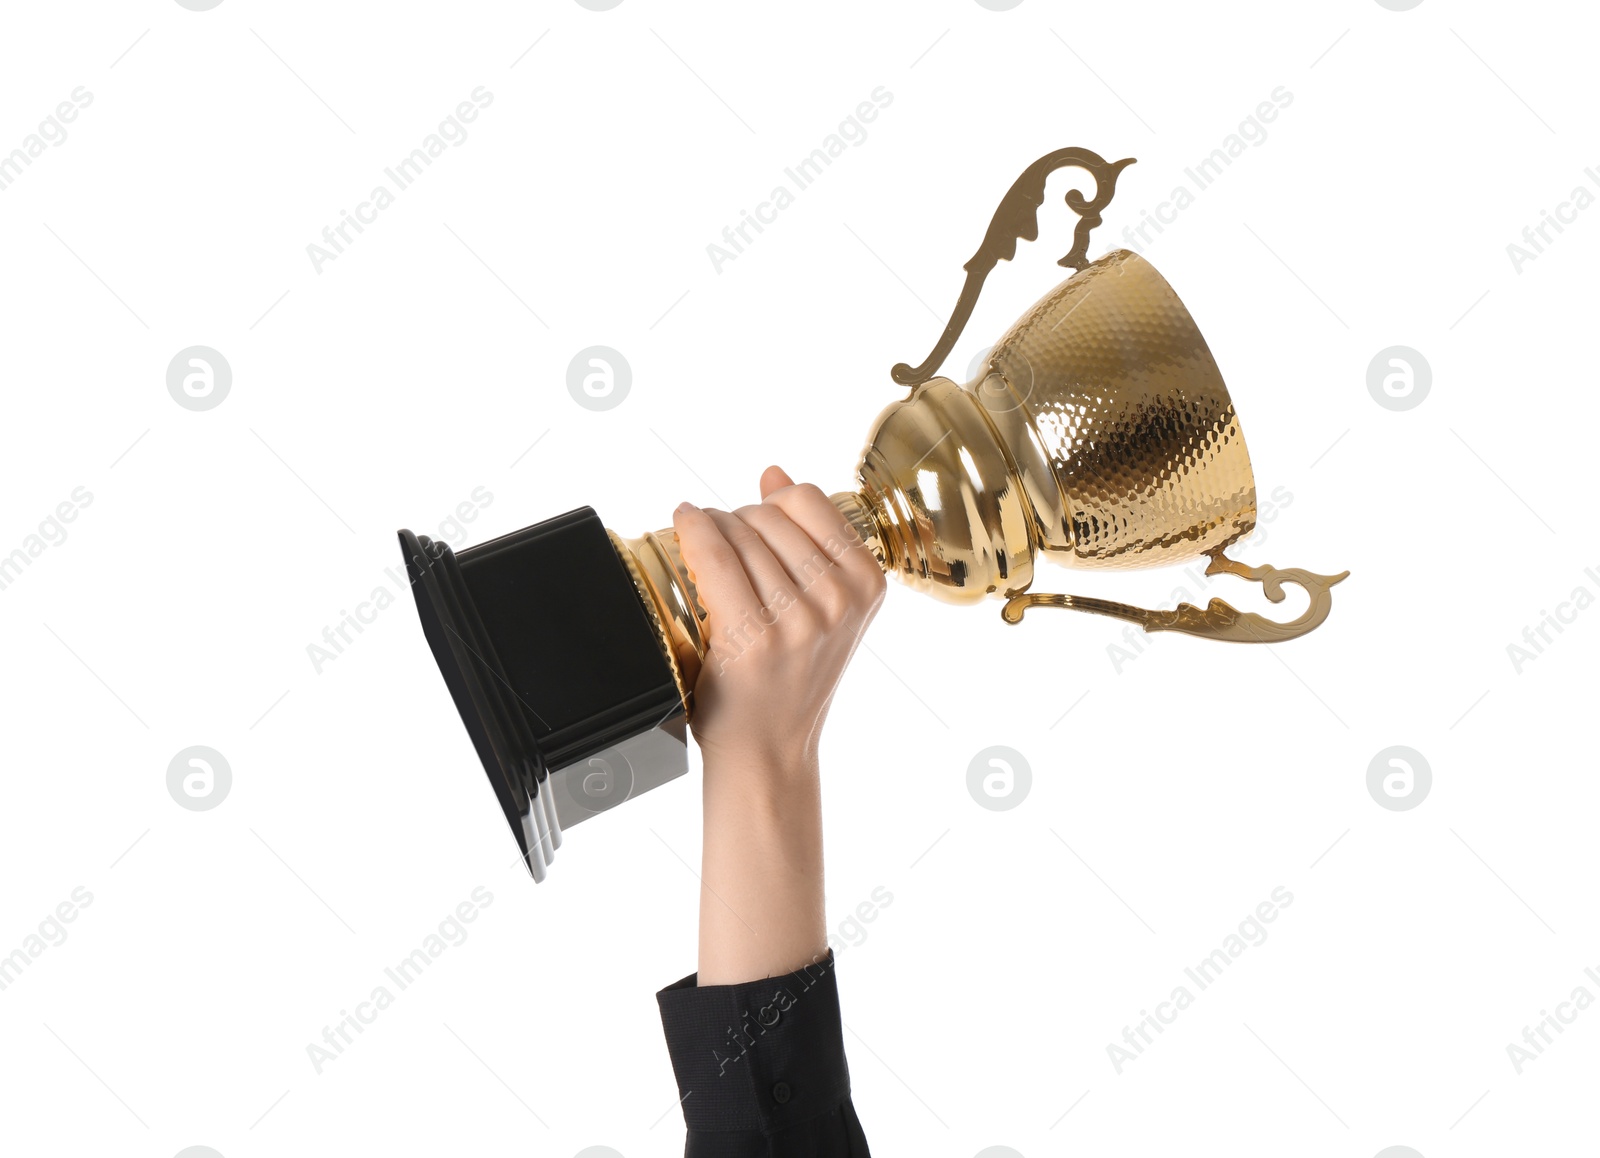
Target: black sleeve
[[761, 1067]]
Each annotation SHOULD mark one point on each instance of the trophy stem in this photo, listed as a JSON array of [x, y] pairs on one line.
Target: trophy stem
[[860, 513], [670, 600], [655, 564]]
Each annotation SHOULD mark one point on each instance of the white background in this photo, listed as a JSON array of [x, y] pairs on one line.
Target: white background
[[1180, 789]]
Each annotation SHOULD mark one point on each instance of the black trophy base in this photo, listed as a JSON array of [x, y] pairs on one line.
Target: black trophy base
[[556, 669]]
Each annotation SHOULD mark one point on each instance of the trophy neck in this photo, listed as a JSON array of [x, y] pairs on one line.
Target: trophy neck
[[940, 497], [670, 601], [859, 512], [655, 564]]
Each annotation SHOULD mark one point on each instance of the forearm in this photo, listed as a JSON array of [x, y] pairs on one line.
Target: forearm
[[756, 1035], [761, 896]]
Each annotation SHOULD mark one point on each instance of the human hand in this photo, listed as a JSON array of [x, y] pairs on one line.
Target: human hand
[[789, 588]]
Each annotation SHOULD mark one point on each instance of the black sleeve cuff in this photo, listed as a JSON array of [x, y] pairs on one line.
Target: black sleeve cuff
[[762, 1055]]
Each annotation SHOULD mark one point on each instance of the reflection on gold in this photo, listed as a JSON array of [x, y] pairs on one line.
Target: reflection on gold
[[1098, 433]]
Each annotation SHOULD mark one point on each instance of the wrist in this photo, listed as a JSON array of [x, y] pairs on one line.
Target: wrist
[[758, 771]]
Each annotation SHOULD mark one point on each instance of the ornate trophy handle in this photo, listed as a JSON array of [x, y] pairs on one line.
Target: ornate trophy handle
[[1218, 620], [1017, 219]]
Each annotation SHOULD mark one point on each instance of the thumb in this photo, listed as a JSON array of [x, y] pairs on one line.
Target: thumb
[[774, 478]]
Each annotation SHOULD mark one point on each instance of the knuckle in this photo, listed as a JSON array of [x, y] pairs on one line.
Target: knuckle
[[873, 580], [711, 556], [804, 619], [735, 529], [758, 521], [812, 569], [860, 562], [835, 602]]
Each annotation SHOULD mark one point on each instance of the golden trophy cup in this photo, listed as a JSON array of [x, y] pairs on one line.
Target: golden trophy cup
[[1099, 434]]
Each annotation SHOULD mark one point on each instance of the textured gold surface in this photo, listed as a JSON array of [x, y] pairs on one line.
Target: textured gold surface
[[1100, 434], [1132, 416]]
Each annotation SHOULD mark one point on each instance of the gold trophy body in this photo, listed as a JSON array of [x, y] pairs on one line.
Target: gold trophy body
[[1099, 434]]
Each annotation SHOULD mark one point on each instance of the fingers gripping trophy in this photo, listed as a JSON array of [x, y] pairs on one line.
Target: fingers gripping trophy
[[1098, 433]]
